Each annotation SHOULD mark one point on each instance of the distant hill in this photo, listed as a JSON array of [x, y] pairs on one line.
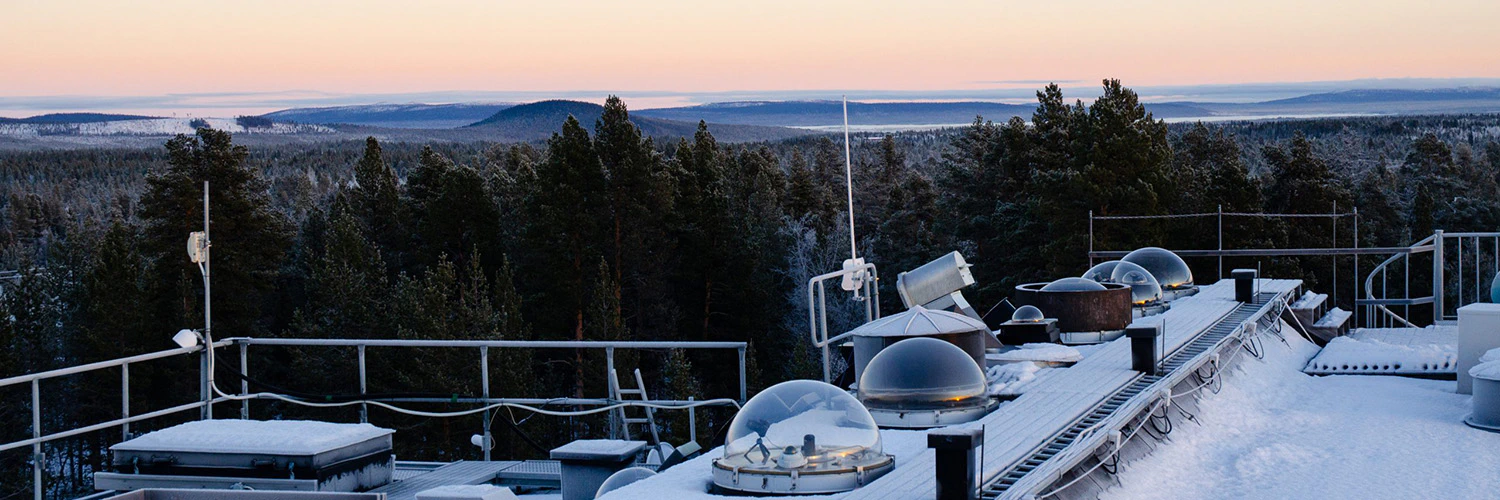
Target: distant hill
[[830, 113], [75, 118], [538, 120], [1392, 95], [433, 116]]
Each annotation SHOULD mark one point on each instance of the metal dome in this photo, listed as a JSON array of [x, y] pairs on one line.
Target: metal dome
[[1168, 269], [1027, 314], [804, 421], [919, 321], [921, 373], [1102, 272], [1073, 285], [1144, 288]]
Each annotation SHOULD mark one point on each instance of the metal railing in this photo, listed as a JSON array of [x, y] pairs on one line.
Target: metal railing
[[1458, 267], [817, 307], [206, 400], [38, 439]]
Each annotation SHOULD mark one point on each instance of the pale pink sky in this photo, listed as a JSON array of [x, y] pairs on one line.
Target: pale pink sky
[[115, 48]]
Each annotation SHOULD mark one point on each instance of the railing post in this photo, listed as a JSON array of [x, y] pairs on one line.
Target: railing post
[[1091, 240], [1357, 295], [609, 381], [1437, 276], [1221, 242], [823, 306], [125, 401], [244, 379], [204, 393], [484, 375], [364, 408], [742, 375], [36, 433], [692, 422]]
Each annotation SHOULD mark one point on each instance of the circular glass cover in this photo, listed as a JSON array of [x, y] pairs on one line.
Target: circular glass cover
[[622, 479], [921, 373], [818, 426], [1102, 272], [1028, 314], [1168, 269], [1073, 285], [1143, 286]]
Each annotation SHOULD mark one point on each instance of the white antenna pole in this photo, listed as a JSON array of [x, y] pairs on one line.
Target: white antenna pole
[[849, 179]]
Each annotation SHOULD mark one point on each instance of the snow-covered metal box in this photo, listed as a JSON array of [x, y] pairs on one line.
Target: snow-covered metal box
[[340, 457]]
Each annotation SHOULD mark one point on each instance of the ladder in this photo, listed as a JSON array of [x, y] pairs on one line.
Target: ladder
[[619, 393]]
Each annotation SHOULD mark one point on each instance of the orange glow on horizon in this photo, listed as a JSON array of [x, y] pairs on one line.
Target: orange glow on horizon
[[140, 48]]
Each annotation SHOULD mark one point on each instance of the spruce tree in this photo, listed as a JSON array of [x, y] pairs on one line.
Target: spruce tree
[[249, 237]]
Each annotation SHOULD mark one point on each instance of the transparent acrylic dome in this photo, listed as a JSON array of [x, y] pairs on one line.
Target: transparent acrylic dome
[[622, 479], [1169, 269], [1073, 285], [921, 373], [803, 424], [1027, 314], [1101, 273], [1143, 286]]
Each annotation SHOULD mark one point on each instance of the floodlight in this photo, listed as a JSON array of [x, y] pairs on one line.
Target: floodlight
[[186, 338]]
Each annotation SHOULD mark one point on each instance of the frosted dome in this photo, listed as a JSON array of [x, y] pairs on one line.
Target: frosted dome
[[921, 373], [1143, 286], [803, 424], [1168, 269], [1101, 273], [1028, 314], [1073, 285], [622, 479]]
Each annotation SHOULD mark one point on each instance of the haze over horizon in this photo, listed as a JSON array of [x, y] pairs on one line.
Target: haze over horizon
[[220, 59]]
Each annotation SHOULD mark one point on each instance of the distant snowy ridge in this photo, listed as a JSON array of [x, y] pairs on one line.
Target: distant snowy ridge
[[152, 127]]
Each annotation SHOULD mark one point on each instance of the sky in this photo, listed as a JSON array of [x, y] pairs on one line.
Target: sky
[[205, 55]]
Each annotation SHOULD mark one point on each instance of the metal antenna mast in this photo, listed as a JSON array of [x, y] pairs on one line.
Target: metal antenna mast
[[849, 178]]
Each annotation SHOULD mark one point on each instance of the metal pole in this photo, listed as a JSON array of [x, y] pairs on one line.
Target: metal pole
[[742, 375], [244, 380], [1091, 238], [36, 433], [609, 380], [692, 422], [1334, 259], [1356, 266], [823, 306], [484, 374], [364, 408], [1437, 276], [208, 337], [849, 180], [1221, 241], [125, 400]]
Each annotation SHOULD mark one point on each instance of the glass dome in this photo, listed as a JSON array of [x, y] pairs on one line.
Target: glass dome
[[803, 424], [1168, 269], [1027, 314], [1073, 285], [1101, 273], [921, 373], [1143, 286], [622, 479]]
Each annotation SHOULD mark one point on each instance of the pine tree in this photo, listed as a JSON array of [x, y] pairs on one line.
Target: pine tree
[[376, 201], [249, 237]]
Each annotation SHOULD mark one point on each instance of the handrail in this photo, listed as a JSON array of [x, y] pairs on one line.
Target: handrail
[[1427, 244], [73, 370], [817, 307], [1433, 244]]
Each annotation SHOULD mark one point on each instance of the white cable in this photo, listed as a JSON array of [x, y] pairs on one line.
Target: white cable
[[460, 413]]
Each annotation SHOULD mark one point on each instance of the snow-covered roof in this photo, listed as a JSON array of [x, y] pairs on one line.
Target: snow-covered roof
[[279, 437]]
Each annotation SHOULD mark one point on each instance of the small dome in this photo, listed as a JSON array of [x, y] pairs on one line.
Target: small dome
[[623, 478], [1027, 314], [826, 426], [1168, 269], [1073, 285], [1143, 286], [921, 373], [1101, 273], [919, 321]]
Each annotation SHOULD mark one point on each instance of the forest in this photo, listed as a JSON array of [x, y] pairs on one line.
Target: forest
[[604, 233]]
